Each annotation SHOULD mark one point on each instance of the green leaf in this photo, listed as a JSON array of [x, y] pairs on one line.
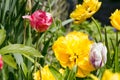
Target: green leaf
[[46, 46], [24, 68], [55, 73], [19, 60], [66, 22], [8, 59], [66, 73], [72, 73], [108, 55], [2, 36], [19, 48]]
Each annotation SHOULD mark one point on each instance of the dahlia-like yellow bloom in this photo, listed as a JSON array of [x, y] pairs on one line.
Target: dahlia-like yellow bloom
[[91, 6], [36, 75], [108, 75], [74, 49], [79, 14], [84, 11], [45, 74], [115, 19]]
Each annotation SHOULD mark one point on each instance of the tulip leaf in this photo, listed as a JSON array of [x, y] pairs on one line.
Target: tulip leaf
[[2, 36], [55, 73], [19, 61], [67, 22], [44, 51], [8, 59], [72, 73], [19, 48], [24, 69], [66, 73]]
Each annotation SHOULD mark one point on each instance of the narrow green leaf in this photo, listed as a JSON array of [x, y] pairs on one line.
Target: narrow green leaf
[[6, 7], [19, 48], [55, 73], [107, 45], [12, 7], [24, 68], [8, 59], [31, 59], [2, 36], [66, 22], [44, 51], [72, 73], [4, 75], [19, 60], [66, 73]]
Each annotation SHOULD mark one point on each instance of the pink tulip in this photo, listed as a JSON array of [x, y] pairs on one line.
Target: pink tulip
[[1, 62], [39, 20], [98, 55]]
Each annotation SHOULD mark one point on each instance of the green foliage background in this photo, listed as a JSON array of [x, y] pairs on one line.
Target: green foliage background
[[24, 51]]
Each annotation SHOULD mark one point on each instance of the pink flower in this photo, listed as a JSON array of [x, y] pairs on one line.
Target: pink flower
[[98, 55], [39, 20], [1, 62]]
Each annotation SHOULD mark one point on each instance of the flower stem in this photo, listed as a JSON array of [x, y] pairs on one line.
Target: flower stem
[[97, 27], [49, 6], [24, 32], [108, 50], [116, 54]]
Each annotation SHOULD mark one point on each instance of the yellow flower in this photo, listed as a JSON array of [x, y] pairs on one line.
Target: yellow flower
[[79, 14], [45, 74], [84, 11], [74, 49], [115, 19], [93, 77], [91, 6], [108, 75], [36, 75]]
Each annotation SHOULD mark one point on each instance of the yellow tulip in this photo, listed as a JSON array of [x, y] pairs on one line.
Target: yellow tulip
[[115, 19], [108, 75], [44, 74], [91, 6], [74, 49], [84, 11], [79, 14]]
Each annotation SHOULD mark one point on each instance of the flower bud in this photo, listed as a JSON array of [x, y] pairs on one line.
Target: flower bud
[[98, 55], [29, 5], [1, 62], [115, 20], [39, 20]]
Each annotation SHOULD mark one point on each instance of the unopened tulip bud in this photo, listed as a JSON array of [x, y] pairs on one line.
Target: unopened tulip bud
[[29, 5], [39, 20], [1, 62], [98, 55]]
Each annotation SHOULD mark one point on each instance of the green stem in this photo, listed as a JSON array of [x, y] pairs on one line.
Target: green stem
[[24, 32], [97, 28], [49, 6], [116, 54], [51, 12], [108, 50], [37, 47]]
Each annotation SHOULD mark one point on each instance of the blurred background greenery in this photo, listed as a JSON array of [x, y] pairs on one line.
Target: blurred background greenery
[[18, 31]]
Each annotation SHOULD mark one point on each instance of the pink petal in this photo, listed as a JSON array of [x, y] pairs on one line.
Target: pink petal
[[27, 17]]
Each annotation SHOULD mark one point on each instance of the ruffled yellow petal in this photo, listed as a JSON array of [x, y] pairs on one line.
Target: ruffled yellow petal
[[84, 11], [45, 74], [36, 75], [74, 49], [91, 6], [79, 14], [108, 75], [115, 20]]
